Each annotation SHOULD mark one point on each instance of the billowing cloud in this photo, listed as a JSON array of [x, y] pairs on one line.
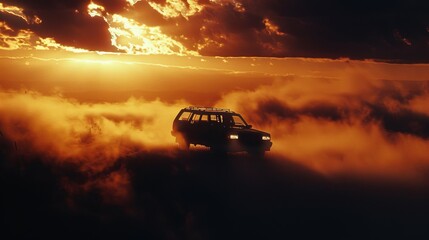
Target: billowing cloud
[[90, 138], [175, 8], [358, 29], [94, 135], [349, 143], [345, 127], [349, 126]]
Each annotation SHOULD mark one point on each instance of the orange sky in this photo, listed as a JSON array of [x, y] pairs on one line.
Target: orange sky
[[376, 110], [124, 79], [200, 80], [89, 90]]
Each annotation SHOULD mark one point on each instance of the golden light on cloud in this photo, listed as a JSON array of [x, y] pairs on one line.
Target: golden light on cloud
[[16, 11], [95, 10], [19, 12], [238, 6], [134, 38], [272, 28], [26, 39], [87, 130], [212, 42], [20, 40], [50, 43], [132, 2], [176, 8]]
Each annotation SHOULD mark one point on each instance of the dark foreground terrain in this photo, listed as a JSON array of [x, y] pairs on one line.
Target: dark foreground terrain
[[203, 196]]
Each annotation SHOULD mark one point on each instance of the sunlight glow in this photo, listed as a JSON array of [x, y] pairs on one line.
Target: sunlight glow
[[19, 39], [238, 6], [272, 28], [26, 39], [132, 2], [19, 12], [95, 10], [134, 38], [176, 8], [50, 43], [16, 11]]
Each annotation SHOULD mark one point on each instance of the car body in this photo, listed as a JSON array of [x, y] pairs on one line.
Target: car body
[[220, 129]]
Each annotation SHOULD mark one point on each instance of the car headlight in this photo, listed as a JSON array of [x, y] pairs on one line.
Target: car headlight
[[266, 138], [233, 136]]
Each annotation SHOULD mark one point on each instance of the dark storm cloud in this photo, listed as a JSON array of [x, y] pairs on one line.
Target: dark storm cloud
[[13, 21], [68, 23], [225, 30], [396, 31], [356, 29], [388, 30]]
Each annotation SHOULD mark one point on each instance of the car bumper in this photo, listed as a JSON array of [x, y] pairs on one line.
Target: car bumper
[[237, 146]]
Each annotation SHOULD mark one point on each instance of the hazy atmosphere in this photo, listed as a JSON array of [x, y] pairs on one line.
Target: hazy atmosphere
[[89, 91]]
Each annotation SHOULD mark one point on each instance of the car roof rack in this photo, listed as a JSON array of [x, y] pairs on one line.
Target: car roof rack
[[209, 109]]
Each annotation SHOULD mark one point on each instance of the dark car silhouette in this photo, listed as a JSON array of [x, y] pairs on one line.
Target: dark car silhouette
[[220, 129]]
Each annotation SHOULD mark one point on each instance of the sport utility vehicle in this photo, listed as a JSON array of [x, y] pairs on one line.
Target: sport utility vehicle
[[220, 129]]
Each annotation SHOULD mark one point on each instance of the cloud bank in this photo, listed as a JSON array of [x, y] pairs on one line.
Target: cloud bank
[[344, 127], [353, 126], [88, 139]]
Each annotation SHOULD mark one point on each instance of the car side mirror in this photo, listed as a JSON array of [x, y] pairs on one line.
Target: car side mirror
[[249, 126]]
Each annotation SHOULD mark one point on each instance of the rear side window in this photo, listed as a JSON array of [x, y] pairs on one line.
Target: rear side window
[[185, 116], [216, 118], [195, 118], [204, 118]]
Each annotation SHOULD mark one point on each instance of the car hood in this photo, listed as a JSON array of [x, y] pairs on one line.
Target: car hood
[[251, 130]]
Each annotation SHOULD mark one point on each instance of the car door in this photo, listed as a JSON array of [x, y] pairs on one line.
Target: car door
[[204, 129], [193, 131], [217, 129]]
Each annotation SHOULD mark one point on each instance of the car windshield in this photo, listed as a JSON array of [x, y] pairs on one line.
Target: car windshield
[[239, 121]]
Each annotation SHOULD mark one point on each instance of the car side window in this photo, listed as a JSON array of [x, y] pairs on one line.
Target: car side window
[[184, 116], [216, 118], [204, 118], [195, 118], [213, 118]]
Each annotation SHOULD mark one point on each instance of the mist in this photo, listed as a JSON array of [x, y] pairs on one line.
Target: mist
[[351, 149]]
